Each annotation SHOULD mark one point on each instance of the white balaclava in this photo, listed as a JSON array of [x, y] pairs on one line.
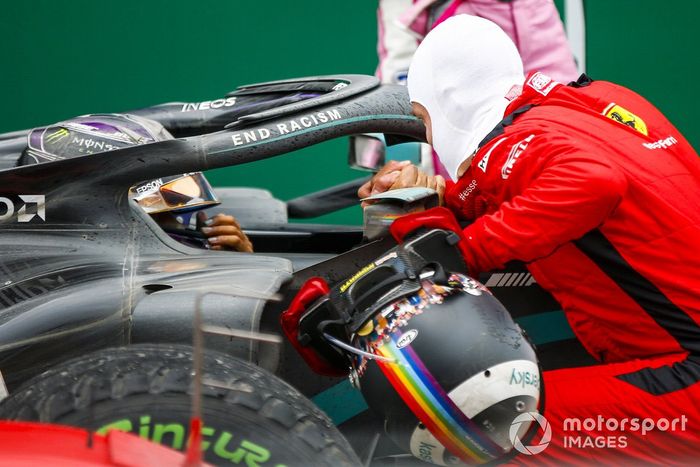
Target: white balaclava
[[461, 73]]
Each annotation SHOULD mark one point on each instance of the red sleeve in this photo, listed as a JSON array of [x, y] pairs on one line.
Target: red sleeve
[[572, 194], [449, 185]]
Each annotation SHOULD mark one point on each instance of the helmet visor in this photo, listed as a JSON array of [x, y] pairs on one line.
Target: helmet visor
[[185, 193]]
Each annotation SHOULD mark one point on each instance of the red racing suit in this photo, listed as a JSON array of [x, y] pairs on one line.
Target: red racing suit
[[600, 194]]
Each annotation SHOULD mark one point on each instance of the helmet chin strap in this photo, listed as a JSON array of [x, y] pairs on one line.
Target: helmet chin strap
[[355, 350]]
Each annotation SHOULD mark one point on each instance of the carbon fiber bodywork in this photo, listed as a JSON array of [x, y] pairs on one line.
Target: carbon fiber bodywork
[[97, 271]]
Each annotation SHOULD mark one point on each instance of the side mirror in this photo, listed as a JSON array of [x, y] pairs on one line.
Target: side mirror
[[389, 205], [369, 151]]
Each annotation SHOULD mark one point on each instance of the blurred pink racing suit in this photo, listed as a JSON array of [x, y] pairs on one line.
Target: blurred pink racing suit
[[533, 25]]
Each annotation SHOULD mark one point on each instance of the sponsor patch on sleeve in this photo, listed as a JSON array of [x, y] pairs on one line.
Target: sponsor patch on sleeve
[[515, 152], [541, 83], [483, 163], [624, 116]]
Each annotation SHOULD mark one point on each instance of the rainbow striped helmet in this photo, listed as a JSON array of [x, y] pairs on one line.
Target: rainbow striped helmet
[[451, 372]]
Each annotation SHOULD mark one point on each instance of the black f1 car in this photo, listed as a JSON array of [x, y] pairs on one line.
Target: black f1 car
[[83, 268]]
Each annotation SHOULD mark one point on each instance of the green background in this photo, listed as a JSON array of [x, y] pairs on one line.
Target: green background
[[61, 59]]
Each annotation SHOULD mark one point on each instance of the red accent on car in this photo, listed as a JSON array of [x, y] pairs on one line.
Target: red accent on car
[[30, 444], [312, 290]]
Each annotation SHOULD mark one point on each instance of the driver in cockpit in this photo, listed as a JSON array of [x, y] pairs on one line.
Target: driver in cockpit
[[176, 203]]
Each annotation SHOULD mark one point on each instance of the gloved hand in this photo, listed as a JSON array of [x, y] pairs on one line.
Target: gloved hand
[[435, 218], [402, 174], [224, 233]]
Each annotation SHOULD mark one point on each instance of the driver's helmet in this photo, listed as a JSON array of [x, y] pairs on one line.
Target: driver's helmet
[[96, 133], [448, 370]]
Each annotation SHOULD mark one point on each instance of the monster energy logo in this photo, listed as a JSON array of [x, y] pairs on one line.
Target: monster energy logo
[[57, 135]]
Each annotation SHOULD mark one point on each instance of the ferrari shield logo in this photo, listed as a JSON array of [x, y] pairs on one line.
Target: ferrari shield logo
[[624, 116]]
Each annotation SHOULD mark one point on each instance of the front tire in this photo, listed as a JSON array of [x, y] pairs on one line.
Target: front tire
[[258, 420]]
